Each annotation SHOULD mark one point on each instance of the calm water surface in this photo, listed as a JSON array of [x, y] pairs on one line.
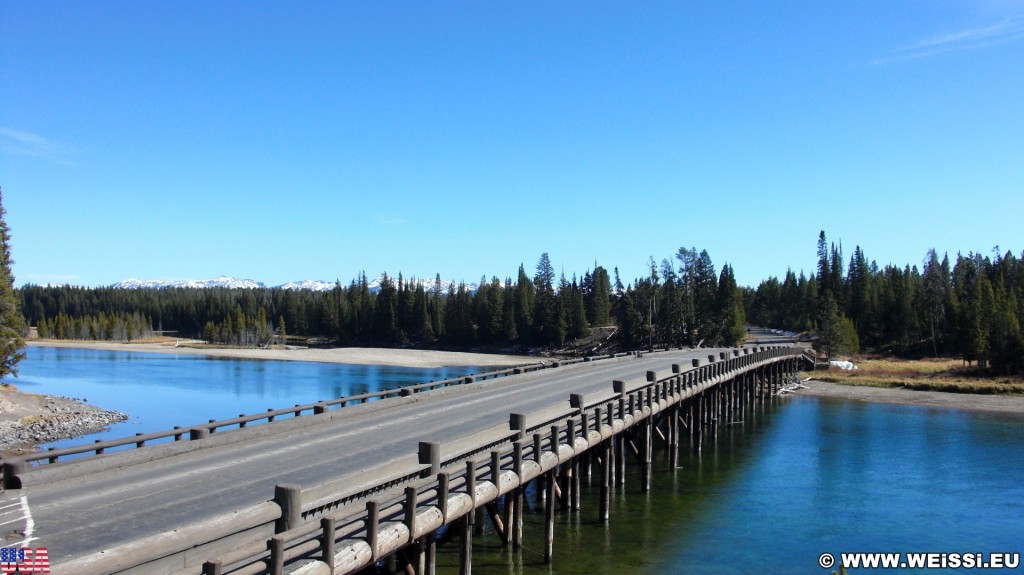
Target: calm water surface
[[159, 391], [793, 480]]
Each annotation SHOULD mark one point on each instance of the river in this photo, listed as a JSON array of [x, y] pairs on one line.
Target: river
[[792, 481]]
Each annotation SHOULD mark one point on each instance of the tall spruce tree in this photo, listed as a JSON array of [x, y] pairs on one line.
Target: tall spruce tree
[[12, 324]]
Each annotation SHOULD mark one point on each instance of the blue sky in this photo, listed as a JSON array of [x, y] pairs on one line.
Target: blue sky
[[283, 141]]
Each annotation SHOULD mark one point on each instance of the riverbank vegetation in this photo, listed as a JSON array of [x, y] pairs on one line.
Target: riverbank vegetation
[[932, 374]]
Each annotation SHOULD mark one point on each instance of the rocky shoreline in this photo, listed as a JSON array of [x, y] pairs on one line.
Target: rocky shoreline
[[28, 419]]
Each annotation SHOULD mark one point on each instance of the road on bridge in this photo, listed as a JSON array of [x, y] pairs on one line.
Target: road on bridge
[[79, 516]]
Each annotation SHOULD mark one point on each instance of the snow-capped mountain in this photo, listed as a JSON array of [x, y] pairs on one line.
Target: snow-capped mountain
[[220, 282], [312, 285]]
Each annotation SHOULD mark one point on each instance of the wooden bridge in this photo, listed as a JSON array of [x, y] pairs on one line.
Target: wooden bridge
[[338, 486]]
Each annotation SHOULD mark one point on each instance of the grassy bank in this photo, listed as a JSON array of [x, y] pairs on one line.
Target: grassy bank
[[925, 374]]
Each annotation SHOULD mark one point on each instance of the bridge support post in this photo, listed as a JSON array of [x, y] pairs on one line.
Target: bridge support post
[[620, 458], [575, 480], [698, 423], [647, 439], [716, 397], [549, 516], [607, 466], [673, 436], [466, 545], [430, 555]]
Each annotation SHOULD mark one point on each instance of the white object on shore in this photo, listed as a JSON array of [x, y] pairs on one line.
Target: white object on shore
[[844, 365]]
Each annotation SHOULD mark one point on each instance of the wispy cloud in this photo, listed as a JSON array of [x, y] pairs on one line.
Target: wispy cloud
[[392, 220], [50, 279], [1004, 32], [21, 143]]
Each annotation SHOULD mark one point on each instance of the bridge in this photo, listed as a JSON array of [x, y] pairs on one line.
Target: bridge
[[337, 486]]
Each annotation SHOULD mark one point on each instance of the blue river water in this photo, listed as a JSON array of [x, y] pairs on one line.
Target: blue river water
[[159, 391], [793, 480]]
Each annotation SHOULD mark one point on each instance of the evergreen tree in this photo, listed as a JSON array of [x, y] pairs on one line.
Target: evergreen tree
[[524, 304], [824, 266], [933, 301], [730, 309], [12, 324]]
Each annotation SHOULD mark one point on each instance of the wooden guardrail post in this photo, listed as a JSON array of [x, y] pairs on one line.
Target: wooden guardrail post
[[289, 498], [372, 525], [212, 568], [576, 401], [12, 472], [276, 545], [517, 422], [327, 526], [496, 469], [442, 496], [410, 512], [430, 454]]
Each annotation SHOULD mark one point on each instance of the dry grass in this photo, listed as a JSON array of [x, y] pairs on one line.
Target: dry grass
[[925, 374]]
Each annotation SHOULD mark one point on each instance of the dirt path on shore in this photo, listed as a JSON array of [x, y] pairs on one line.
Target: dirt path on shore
[[418, 358], [972, 401]]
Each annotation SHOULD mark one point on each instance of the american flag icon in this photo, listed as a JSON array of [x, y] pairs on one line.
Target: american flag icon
[[37, 560]]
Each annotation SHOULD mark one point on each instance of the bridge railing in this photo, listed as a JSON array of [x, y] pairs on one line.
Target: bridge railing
[[416, 495]]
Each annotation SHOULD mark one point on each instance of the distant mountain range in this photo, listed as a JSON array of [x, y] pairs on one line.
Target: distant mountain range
[[235, 283]]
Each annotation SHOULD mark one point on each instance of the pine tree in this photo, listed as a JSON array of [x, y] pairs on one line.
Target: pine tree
[[12, 324]]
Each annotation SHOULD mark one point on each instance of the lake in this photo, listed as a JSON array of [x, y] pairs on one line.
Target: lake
[[795, 479]]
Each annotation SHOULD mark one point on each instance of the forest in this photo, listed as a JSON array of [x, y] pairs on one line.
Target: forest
[[682, 305], [971, 308]]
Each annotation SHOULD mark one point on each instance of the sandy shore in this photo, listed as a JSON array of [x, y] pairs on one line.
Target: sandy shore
[[972, 401], [352, 355]]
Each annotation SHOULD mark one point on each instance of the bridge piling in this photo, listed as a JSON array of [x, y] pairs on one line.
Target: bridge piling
[[606, 480], [466, 544]]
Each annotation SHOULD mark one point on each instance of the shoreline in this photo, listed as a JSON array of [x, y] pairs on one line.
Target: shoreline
[[414, 358], [901, 396], [30, 419]]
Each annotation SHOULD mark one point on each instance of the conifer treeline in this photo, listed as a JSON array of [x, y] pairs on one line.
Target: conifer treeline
[[683, 306], [101, 327], [972, 308]]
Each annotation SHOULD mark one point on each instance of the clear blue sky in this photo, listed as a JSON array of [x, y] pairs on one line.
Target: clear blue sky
[[291, 140]]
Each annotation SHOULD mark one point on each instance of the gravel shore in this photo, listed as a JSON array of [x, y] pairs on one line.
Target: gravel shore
[[28, 419]]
